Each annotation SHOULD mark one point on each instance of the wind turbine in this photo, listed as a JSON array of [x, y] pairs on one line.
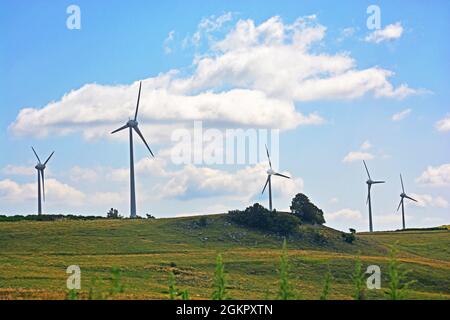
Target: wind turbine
[[403, 195], [40, 167], [133, 125], [370, 182], [271, 173]]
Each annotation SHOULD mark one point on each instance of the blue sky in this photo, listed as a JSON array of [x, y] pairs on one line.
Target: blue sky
[[347, 86]]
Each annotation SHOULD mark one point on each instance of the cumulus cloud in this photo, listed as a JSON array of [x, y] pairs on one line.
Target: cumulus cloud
[[426, 200], [443, 125], [435, 176], [55, 191], [251, 77], [353, 156], [389, 33], [201, 182], [13, 170], [347, 214], [401, 115]]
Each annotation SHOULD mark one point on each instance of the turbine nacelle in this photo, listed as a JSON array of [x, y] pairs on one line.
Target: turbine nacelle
[[132, 123], [403, 195], [40, 166], [270, 172]]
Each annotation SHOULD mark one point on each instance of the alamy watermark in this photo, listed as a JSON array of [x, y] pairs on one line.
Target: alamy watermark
[[74, 279], [210, 146], [73, 21]]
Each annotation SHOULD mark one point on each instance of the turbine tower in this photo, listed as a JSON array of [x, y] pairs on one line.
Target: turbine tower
[[403, 195], [40, 167], [271, 173], [133, 125], [370, 182]]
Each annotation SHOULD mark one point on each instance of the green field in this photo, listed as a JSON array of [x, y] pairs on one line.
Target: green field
[[34, 257]]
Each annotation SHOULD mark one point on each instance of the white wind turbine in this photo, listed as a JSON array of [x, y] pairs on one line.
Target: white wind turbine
[[40, 167], [133, 125], [271, 173], [370, 182], [403, 195]]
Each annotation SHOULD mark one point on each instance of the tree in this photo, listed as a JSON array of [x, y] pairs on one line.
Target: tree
[[305, 210], [113, 214]]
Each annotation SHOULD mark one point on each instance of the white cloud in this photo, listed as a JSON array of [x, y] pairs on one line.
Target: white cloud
[[252, 77], [168, 41], [366, 145], [353, 156], [443, 125], [436, 176], [200, 182], [389, 33], [401, 115], [79, 174], [426, 200], [13, 170], [347, 214], [55, 191]]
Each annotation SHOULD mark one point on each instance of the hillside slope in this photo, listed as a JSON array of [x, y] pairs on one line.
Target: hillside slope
[[35, 255]]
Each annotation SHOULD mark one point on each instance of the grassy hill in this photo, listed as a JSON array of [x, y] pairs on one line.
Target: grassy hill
[[34, 257]]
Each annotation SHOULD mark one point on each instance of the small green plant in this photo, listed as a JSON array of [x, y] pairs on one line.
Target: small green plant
[[358, 281], [174, 293], [398, 286], [116, 286], [349, 237], [219, 280], [284, 292], [172, 286], [72, 295], [326, 286]]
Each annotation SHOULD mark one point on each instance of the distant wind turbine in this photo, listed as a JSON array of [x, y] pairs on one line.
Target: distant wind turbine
[[403, 195], [271, 173], [133, 125], [40, 167], [370, 182]]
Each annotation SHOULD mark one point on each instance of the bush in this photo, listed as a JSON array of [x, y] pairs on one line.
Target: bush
[[260, 218], [349, 237], [113, 214], [305, 210], [202, 222]]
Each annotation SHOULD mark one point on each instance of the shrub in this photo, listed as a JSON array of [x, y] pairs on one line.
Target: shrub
[[305, 210], [203, 221], [149, 216], [260, 218], [113, 214], [349, 237]]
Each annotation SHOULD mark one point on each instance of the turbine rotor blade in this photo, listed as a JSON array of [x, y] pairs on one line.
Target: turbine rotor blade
[[121, 128], [281, 175], [367, 170], [398, 208], [374, 182], [267, 181], [268, 157], [48, 158], [368, 193], [34, 151], [43, 183], [143, 139], [401, 180], [137, 105], [411, 198]]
